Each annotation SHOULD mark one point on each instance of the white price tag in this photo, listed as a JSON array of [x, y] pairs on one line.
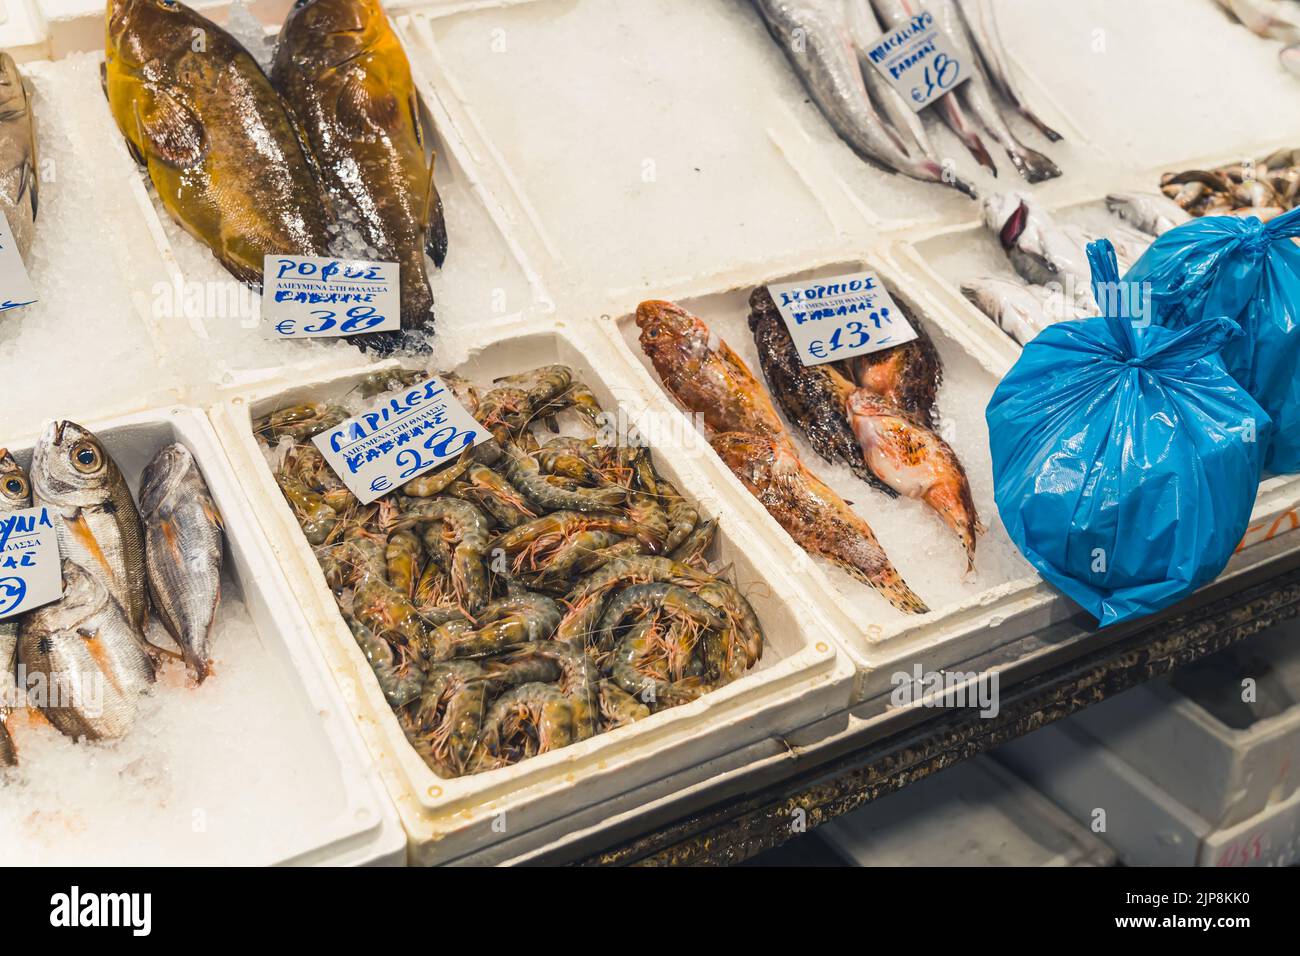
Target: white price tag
[[307, 297], [30, 574], [840, 317], [16, 287], [918, 60], [401, 438]]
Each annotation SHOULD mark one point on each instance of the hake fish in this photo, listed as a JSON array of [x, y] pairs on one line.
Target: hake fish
[[812, 396], [915, 462], [219, 145], [1018, 310], [1152, 213], [15, 495], [94, 662], [980, 20], [812, 514], [343, 72], [704, 374], [183, 551], [976, 95], [894, 13], [18, 161], [819, 44], [99, 527], [1041, 252]]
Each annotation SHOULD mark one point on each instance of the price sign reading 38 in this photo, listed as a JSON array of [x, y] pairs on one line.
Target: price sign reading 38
[[840, 317], [315, 296]]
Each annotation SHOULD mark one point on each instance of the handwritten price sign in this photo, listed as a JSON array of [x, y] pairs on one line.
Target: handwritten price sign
[[399, 439], [307, 297], [918, 60], [840, 317], [29, 561]]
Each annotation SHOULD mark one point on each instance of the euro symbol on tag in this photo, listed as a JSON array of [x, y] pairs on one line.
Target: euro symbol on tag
[[285, 327], [380, 484]]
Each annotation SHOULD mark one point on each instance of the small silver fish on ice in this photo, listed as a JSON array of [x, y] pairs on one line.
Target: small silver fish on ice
[[1042, 252], [93, 660], [183, 551], [1152, 213], [99, 528]]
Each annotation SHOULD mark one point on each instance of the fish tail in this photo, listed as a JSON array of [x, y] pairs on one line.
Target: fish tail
[[1032, 165], [957, 122], [891, 584], [1052, 135]]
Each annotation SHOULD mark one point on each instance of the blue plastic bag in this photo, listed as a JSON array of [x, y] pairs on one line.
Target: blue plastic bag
[[1249, 272], [1125, 458]]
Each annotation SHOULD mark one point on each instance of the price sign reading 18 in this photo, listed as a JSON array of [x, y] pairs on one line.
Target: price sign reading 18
[[919, 60], [840, 317], [315, 296]]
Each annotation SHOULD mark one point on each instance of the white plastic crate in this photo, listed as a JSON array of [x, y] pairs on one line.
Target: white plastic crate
[[800, 679], [243, 810], [1145, 825], [973, 814]]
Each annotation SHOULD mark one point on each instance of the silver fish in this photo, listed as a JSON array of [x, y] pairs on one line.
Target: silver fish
[[1041, 252], [18, 182], [864, 28], [976, 96], [99, 528], [94, 663], [15, 495], [818, 44], [183, 551], [896, 12], [1017, 309], [983, 26], [1152, 213]]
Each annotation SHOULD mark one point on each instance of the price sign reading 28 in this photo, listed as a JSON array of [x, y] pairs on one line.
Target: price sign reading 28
[[316, 296], [840, 317]]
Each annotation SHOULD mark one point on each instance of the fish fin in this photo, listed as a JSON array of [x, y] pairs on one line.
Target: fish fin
[[168, 528], [435, 238], [27, 183], [360, 113], [214, 516], [79, 529], [414, 104], [171, 129]]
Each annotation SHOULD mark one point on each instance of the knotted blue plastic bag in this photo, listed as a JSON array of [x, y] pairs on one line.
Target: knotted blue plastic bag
[[1249, 272], [1125, 457]]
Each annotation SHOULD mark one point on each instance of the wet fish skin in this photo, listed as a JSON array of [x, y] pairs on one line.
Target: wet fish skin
[[223, 152], [1272, 19], [917, 463], [344, 74], [19, 182], [704, 374], [813, 515], [818, 44], [976, 96], [1152, 213], [982, 25], [907, 375], [812, 396], [1015, 308], [864, 28], [183, 551], [894, 13], [99, 528], [1041, 252], [84, 644]]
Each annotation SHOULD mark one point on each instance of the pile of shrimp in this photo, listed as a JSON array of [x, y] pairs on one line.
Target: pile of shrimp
[[538, 590]]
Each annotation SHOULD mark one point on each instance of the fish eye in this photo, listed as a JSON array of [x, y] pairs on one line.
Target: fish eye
[[16, 487], [86, 457], [169, 4]]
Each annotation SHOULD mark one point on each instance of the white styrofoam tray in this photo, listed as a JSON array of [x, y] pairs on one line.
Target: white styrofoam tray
[[334, 812], [800, 679], [973, 814], [1144, 824], [204, 323], [1002, 602]]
